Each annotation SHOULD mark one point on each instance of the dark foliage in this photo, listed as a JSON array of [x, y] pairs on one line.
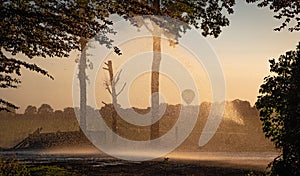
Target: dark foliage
[[287, 10], [279, 107], [209, 15], [45, 28]]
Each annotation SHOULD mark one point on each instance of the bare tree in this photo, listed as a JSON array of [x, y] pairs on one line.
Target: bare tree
[[111, 88]]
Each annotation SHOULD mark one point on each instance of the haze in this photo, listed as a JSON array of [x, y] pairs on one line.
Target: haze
[[243, 48]]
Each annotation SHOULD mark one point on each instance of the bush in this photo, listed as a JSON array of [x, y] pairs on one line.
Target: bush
[[13, 168]]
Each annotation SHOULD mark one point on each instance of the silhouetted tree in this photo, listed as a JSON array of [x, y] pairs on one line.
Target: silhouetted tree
[[279, 100], [111, 88], [279, 107], [103, 9], [30, 110], [44, 28], [287, 10], [205, 14], [69, 112], [58, 114], [106, 8], [7, 114], [45, 109]]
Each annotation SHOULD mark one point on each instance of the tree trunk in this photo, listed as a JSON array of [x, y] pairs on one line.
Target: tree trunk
[[82, 82], [82, 74], [155, 85], [154, 131], [114, 98]]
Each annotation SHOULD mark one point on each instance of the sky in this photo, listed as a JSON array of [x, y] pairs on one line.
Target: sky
[[243, 50]]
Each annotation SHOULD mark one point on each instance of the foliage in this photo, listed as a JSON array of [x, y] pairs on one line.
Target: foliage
[[288, 10], [251, 173], [279, 107], [45, 109], [50, 171], [172, 19], [53, 28], [45, 28], [30, 110], [13, 168], [208, 12]]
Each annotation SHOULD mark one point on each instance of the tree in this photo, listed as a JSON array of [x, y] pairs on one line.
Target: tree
[[208, 12], [58, 114], [43, 28], [69, 112], [111, 88], [45, 109], [278, 102], [279, 107], [106, 7], [30, 110], [289, 10]]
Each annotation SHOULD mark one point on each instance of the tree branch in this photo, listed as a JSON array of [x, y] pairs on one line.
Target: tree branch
[[121, 90]]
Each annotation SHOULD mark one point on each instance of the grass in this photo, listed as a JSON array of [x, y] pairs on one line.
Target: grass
[[50, 171], [12, 167]]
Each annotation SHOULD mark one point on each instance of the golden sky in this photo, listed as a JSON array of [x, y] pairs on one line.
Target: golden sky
[[243, 49]]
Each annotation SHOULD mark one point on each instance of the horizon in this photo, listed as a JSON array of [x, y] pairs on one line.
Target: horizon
[[140, 108]]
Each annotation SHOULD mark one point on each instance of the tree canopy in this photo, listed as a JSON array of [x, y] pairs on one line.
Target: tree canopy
[[208, 15], [30, 110], [45, 109], [287, 10], [45, 29], [52, 28], [172, 19], [279, 97], [279, 107]]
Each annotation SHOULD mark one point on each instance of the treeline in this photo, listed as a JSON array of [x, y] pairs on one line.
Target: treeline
[[44, 110], [240, 129]]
